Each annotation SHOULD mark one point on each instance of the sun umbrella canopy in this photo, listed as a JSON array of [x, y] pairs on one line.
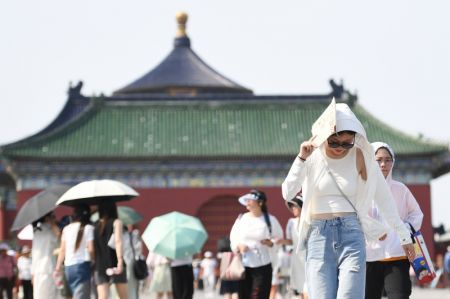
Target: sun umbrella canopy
[[126, 214], [38, 205], [175, 235], [26, 233], [95, 191]]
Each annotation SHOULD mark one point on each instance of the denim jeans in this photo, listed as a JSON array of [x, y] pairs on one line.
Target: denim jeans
[[336, 259], [78, 277]]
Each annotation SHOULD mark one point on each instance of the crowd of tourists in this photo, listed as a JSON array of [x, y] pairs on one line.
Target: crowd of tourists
[[349, 237]]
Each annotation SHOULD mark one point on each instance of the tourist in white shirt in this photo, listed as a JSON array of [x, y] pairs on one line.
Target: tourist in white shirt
[[297, 268], [253, 235], [24, 269], [77, 253], [182, 276], [208, 266]]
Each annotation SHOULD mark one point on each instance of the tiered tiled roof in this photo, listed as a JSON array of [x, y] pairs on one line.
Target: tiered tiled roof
[[183, 109], [182, 71], [255, 128]]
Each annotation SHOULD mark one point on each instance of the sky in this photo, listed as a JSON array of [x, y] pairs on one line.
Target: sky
[[394, 54]]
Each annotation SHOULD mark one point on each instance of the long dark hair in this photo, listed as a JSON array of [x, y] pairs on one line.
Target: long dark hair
[[107, 210], [262, 200], [38, 223], [82, 214]]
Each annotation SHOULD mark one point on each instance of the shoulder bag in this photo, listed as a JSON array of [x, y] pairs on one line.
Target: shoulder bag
[[231, 267], [140, 268]]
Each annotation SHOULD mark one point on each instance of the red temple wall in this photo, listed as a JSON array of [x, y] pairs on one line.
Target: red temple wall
[[158, 201]]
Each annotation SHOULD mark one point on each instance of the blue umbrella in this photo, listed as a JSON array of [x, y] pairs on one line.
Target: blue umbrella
[[175, 235]]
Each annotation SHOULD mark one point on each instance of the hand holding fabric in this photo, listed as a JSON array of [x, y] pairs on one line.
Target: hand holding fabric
[[383, 237], [306, 148]]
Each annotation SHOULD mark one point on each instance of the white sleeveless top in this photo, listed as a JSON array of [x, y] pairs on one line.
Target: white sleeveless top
[[327, 198]]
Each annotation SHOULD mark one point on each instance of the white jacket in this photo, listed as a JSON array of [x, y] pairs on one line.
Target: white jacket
[[304, 176], [408, 209]]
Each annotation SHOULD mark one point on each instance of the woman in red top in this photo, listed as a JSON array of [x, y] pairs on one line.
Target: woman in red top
[[7, 265]]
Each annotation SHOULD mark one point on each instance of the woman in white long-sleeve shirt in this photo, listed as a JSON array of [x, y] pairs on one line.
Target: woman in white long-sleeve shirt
[[253, 235], [339, 178], [45, 241], [387, 266]]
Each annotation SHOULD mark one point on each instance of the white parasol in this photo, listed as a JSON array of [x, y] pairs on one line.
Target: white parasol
[[95, 191]]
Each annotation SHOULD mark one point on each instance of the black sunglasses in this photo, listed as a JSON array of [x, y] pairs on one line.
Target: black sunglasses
[[344, 145]]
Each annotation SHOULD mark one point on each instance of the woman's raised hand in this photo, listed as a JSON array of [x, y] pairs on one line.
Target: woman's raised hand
[[306, 148]]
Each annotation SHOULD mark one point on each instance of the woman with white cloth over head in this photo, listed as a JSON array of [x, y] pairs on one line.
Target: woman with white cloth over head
[[254, 235], [45, 240], [387, 266], [339, 178]]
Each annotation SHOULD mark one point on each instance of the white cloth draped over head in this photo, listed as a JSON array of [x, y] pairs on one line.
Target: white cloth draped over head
[[408, 209], [376, 146], [305, 176]]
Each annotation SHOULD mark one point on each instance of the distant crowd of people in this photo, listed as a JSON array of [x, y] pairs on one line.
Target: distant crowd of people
[[76, 258]]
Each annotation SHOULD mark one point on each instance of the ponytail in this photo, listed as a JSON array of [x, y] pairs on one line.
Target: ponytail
[[262, 199], [82, 214]]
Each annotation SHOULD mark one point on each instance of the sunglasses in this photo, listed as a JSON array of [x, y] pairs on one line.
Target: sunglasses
[[344, 145]]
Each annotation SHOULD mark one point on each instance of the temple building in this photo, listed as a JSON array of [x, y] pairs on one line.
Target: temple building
[[189, 139]]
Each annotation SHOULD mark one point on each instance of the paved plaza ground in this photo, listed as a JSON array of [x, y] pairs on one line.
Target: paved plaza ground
[[418, 293]]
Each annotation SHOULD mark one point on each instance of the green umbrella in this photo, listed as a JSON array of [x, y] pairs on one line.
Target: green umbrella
[[126, 214], [175, 235]]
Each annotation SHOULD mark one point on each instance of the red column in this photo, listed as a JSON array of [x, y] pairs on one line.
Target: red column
[[423, 195], [2, 220]]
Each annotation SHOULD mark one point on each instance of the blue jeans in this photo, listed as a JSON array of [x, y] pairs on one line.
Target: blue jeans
[[79, 277], [336, 259]]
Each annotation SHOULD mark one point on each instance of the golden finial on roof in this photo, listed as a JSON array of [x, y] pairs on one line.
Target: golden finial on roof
[[182, 18]]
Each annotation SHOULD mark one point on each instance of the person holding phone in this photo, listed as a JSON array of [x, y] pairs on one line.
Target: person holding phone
[[254, 235]]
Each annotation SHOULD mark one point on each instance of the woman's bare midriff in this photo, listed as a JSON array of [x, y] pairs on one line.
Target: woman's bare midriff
[[327, 216]]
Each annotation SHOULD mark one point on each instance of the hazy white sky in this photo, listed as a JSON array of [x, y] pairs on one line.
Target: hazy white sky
[[395, 54]]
